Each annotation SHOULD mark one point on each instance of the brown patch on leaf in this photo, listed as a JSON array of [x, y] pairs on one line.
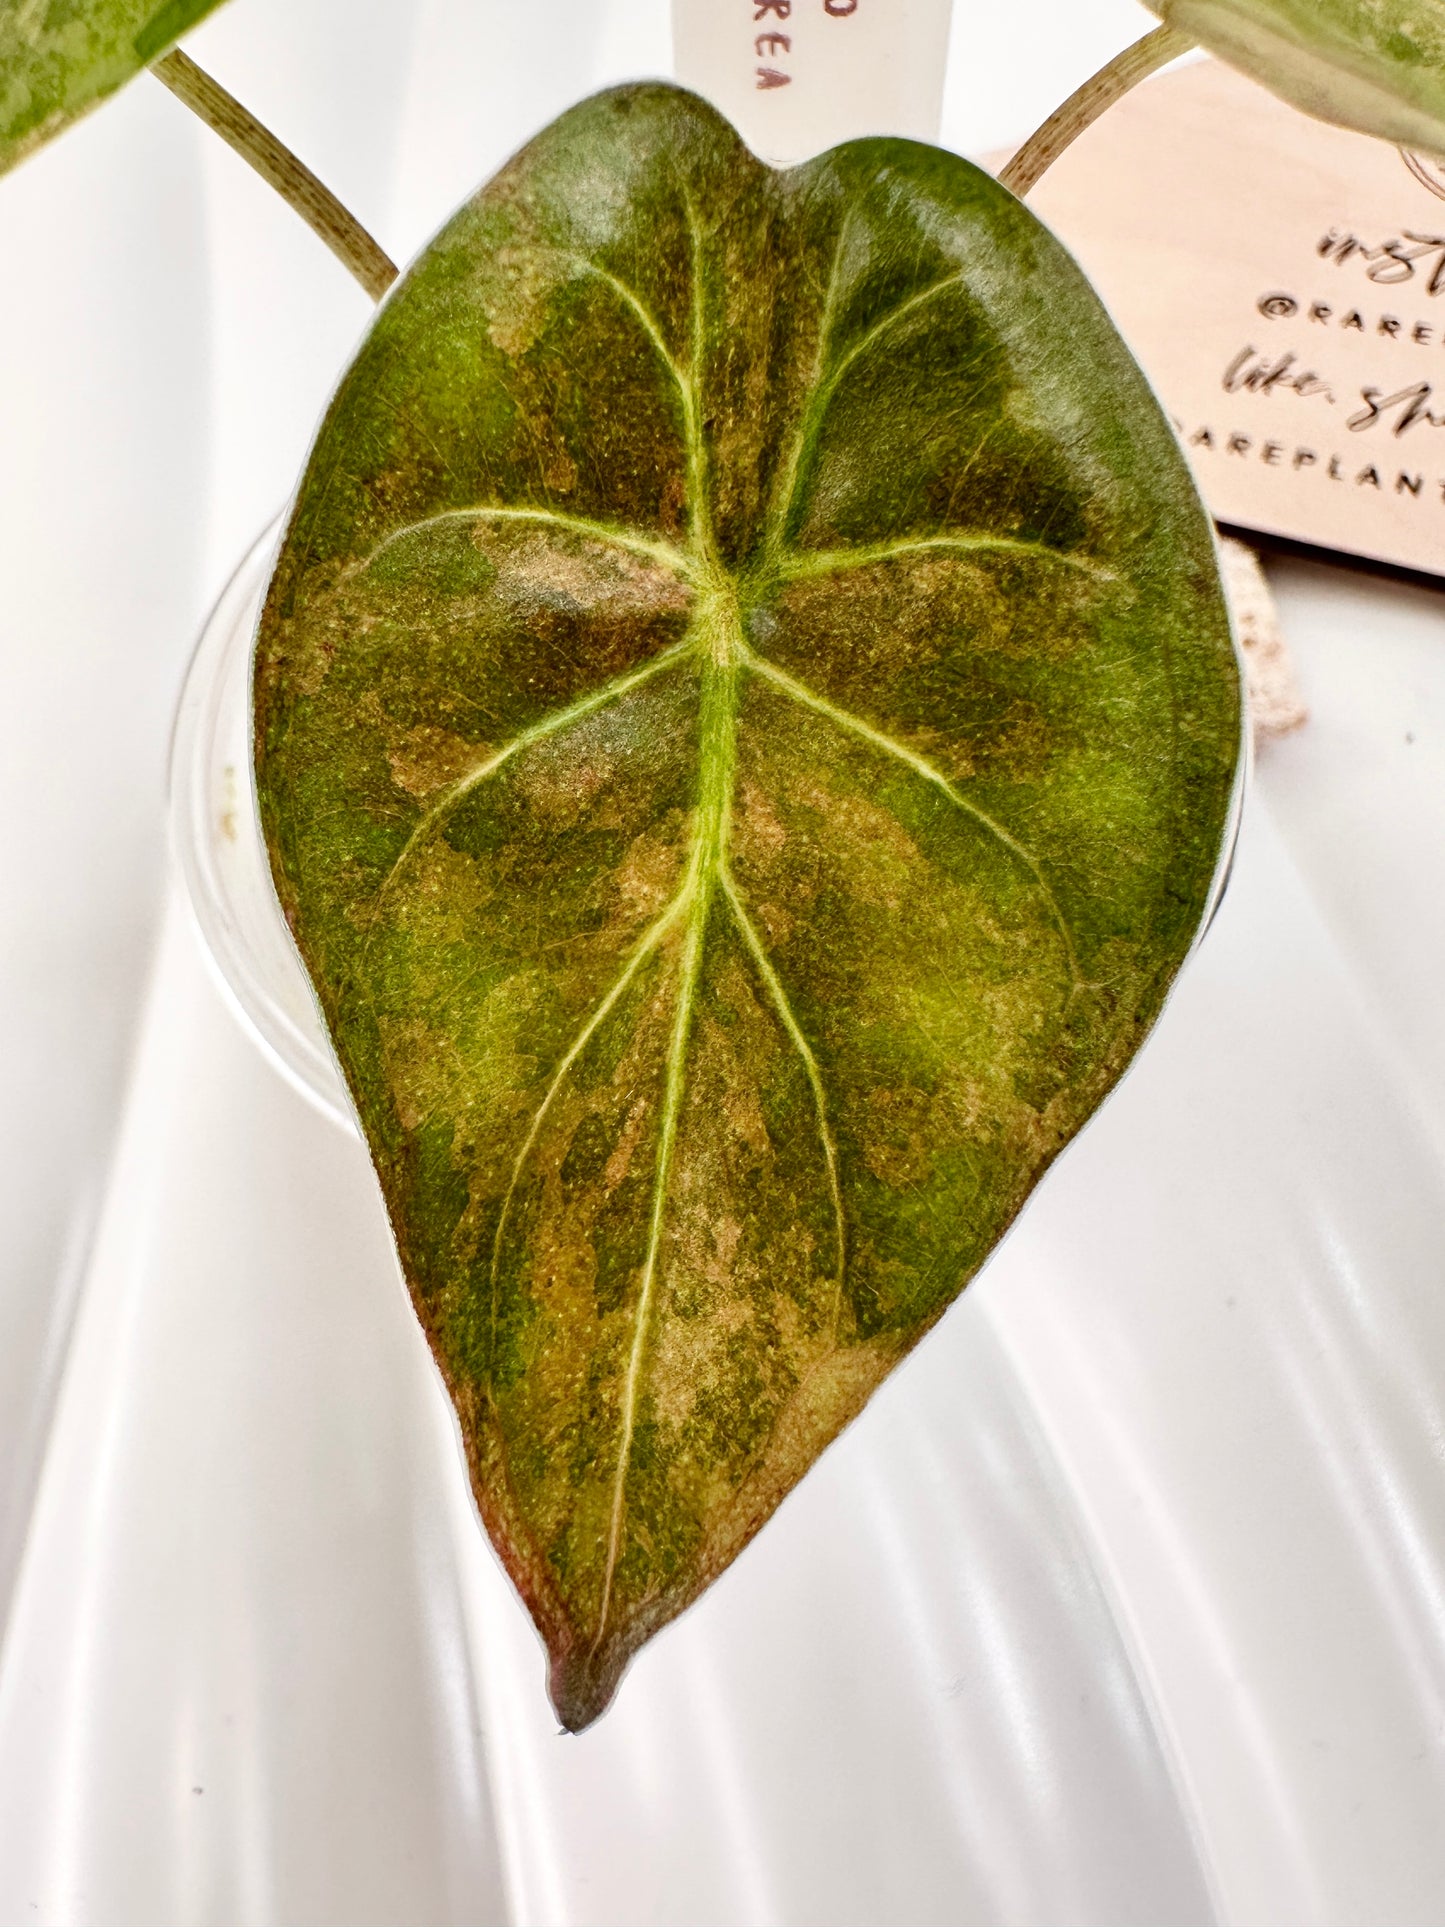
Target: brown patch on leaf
[[560, 786], [562, 571], [517, 291], [902, 1136], [426, 759], [647, 876], [620, 1162], [560, 472], [866, 826], [744, 1111], [755, 825], [672, 509]]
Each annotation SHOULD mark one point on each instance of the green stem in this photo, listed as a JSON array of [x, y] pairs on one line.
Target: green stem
[[1064, 126], [318, 207]]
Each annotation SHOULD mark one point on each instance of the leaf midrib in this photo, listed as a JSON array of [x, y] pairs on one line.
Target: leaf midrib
[[718, 634]]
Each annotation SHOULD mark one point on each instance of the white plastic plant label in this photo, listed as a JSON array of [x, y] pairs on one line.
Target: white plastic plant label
[[798, 76]]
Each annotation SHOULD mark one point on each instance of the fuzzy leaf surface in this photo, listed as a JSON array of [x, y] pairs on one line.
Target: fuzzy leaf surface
[[1377, 66], [60, 58], [745, 722]]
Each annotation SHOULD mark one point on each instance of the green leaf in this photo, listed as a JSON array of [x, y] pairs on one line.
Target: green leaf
[[745, 722], [60, 58], [1375, 65]]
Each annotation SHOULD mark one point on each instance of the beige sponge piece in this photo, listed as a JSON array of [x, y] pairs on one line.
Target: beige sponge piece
[[1272, 692]]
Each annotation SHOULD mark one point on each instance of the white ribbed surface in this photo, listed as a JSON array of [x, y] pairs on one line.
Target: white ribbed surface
[[1124, 1601]]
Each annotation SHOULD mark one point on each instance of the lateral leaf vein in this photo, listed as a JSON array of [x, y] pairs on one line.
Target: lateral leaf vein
[[548, 725], [630, 539], [641, 951], [803, 563], [767, 970], [666, 1145], [844, 719]]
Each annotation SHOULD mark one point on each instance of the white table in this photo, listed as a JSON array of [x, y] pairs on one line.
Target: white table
[[1124, 1601]]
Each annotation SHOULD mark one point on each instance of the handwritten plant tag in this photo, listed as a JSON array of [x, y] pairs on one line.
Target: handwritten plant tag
[[798, 76], [1283, 284]]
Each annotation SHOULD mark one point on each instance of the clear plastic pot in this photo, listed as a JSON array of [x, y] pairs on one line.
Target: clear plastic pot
[[218, 848]]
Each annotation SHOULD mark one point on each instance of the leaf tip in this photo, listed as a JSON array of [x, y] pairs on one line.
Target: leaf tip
[[582, 1688]]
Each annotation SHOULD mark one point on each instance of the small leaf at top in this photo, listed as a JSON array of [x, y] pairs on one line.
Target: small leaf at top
[[1377, 66], [745, 723], [60, 58]]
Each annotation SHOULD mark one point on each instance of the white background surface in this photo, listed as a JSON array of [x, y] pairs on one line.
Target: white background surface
[[1125, 1600]]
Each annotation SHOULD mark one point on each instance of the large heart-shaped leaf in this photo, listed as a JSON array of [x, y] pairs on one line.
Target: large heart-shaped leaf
[[745, 723], [59, 58], [1375, 65]]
